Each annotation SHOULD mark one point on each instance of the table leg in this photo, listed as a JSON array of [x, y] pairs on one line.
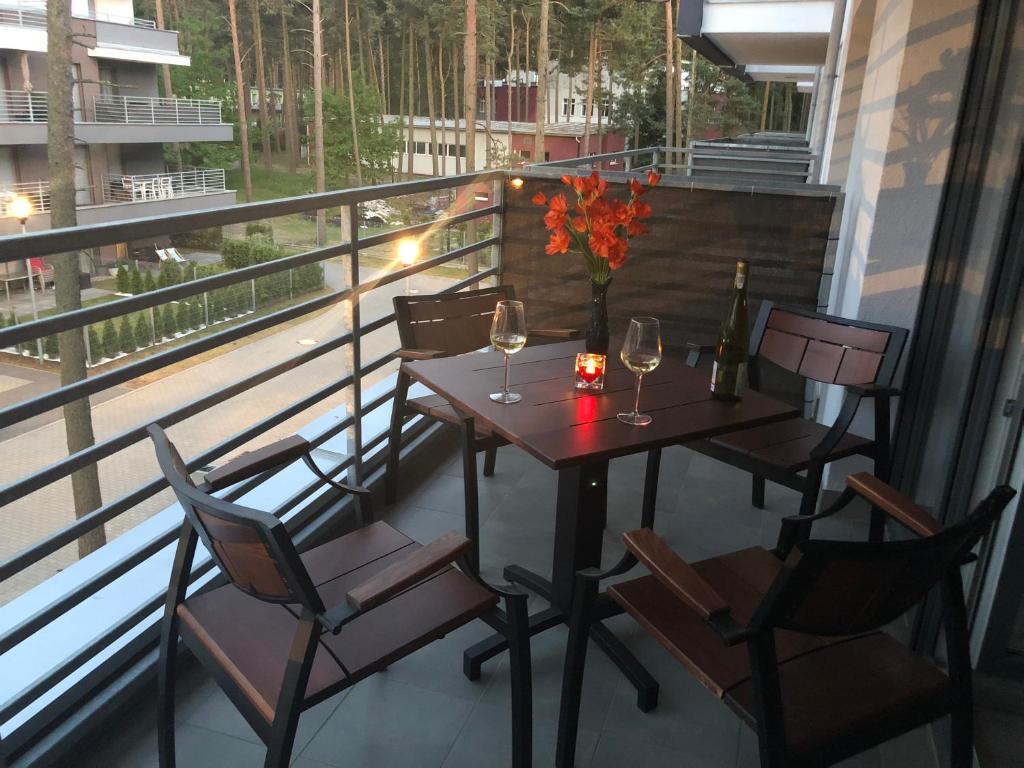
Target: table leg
[[580, 517]]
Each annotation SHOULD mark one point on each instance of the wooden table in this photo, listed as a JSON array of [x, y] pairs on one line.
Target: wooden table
[[576, 433]]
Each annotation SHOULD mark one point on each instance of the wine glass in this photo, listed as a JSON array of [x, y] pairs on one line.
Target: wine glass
[[508, 333], [641, 353]]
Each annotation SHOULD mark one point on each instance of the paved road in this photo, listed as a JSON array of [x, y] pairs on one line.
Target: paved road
[[44, 511]]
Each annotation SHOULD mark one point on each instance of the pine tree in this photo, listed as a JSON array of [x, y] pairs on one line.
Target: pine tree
[[122, 279], [50, 347], [135, 283], [196, 317], [170, 327], [158, 324], [143, 335], [148, 283], [95, 345], [110, 343], [184, 317], [126, 336]]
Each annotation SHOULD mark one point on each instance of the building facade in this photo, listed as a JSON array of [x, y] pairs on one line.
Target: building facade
[[122, 124]]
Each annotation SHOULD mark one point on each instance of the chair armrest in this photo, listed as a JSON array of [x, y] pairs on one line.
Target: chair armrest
[[899, 507], [421, 354], [695, 351], [406, 572], [253, 463], [675, 573], [873, 390], [569, 334]]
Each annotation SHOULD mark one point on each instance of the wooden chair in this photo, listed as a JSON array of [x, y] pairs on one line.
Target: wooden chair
[[859, 356], [791, 639], [290, 630], [443, 325]]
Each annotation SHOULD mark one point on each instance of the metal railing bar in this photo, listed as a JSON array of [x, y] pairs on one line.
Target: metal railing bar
[[414, 229], [471, 280], [574, 162], [90, 386], [87, 315], [112, 445], [14, 247], [444, 258], [744, 170]]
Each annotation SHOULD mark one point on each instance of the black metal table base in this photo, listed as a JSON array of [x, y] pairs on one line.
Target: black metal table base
[[646, 686]]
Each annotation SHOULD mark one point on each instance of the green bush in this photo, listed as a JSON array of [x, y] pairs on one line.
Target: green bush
[[183, 317], [170, 274], [158, 324], [143, 334], [170, 326], [135, 282], [235, 253], [110, 342], [210, 238], [50, 347], [259, 228], [148, 283], [95, 345], [122, 279], [126, 336]]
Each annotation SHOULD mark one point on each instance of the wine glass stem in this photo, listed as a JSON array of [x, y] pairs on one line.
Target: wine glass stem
[[506, 372], [636, 399]]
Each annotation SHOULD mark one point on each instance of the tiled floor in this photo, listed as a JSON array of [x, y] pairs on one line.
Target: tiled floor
[[422, 712]]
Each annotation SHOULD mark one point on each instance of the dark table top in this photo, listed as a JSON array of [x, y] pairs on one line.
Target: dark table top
[[564, 427]]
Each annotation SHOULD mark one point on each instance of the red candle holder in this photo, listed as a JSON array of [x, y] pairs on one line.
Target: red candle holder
[[590, 370]]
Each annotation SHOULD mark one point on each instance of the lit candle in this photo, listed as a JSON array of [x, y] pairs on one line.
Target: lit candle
[[590, 371]]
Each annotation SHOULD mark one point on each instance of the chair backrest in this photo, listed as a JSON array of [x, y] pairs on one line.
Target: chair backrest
[[452, 323], [251, 548], [826, 348], [837, 588], [38, 265]]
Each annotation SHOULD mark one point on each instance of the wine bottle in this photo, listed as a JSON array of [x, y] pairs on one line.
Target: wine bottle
[[728, 375]]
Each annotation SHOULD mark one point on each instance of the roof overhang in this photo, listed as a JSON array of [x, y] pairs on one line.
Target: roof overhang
[[780, 73], [806, 86], [761, 32], [139, 54]]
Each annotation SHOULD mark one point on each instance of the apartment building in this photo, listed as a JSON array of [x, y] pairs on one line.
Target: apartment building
[[122, 124]]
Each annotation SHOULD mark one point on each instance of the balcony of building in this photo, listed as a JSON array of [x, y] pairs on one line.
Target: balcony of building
[[112, 119]]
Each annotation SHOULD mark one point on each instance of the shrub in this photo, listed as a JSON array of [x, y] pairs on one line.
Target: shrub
[[122, 279], [235, 253], [50, 347], [259, 228], [170, 326], [135, 282], [200, 238], [143, 335], [148, 283], [170, 274], [126, 336], [95, 345], [183, 316], [158, 324], [110, 342]]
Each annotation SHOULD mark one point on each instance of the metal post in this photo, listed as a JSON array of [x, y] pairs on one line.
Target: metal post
[[497, 221], [88, 347], [152, 111], [125, 101], [152, 326], [32, 293], [357, 384], [206, 308], [252, 284]]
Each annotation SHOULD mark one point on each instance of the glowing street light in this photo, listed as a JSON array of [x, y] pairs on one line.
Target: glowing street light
[[516, 183], [408, 254], [20, 207]]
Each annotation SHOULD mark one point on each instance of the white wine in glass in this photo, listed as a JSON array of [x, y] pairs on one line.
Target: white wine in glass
[[641, 353], [508, 334]]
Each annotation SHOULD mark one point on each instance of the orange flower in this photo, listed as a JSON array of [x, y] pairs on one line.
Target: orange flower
[[636, 188], [554, 219], [559, 203], [559, 243], [653, 177], [635, 228], [579, 223], [641, 209], [540, 199]]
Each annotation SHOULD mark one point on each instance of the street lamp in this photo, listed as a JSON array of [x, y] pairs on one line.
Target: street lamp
[[20, 207], [408, 254]]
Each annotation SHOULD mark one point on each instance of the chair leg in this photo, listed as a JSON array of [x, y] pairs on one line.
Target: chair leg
[[809, 500], [293, 688], [490, 457], [572, 674], [472, 500], [757, 491], [651, 476], [395, 438], [518, 637], [165, 694], [961, 753]]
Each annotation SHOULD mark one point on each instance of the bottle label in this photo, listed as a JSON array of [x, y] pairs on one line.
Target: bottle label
[[714, 375], [741, 279]]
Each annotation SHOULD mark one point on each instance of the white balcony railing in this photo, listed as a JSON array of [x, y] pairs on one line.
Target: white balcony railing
[[36, 192], [34, 15], [22, 106], [153, 110], [162, 186]]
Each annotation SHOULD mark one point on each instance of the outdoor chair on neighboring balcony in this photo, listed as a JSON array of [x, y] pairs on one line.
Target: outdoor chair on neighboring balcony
[[43, 271], [859, 356], [289, 630], [792, 639], [442, 325]]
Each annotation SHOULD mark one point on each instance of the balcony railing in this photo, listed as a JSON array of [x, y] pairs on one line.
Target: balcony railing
[[37, 193], [23, 107], [154, 110], [35, 16], [162, 186]]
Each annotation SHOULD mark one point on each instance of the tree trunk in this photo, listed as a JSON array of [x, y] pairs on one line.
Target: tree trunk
[[459, 116], [590, 90], [85, 483], [670, 98], [384, 74], [469, 84], [412, 98], [764, 103], [168, 89], [524, 95], [352, 100], [261, 85], [508, 83], [691, 95], [488, 108], [318, 118], [291, 122], [431, 104], [541, 102], [401, 99], [678, 90], [243, 106], [787, 126], [442, 78]]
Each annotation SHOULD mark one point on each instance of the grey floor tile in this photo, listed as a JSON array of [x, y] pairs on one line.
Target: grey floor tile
[[616, 750], [486, 741], [383, 722], [422, 524], [911, 750]]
